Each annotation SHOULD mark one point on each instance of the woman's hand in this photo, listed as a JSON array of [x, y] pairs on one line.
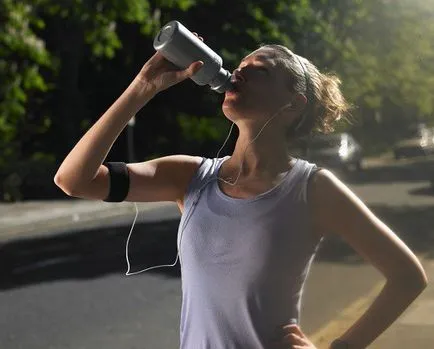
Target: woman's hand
[[294, 338], [159, 74]]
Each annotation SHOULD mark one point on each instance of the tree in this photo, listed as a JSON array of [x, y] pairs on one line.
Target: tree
[[23, 56], [62, 63]]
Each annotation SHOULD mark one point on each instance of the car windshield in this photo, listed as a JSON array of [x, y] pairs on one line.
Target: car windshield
[[415, 132], [320, 142], [412, 133]]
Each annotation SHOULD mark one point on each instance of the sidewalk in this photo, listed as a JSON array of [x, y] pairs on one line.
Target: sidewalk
[[413, 329], [47, 217]]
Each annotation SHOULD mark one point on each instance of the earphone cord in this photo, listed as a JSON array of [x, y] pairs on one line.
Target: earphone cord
[[198, 196]]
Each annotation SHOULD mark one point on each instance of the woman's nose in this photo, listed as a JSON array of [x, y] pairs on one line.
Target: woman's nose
[[239, 77]]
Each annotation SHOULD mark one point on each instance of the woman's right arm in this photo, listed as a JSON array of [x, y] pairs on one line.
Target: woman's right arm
[[82, 174]]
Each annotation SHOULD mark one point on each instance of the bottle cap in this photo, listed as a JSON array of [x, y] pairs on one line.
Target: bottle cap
[[222, 82]]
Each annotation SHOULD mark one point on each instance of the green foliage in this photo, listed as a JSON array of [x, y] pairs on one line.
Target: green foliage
[[201, 129], [63, 62], [397, 39], [22, 56], [29, 70]]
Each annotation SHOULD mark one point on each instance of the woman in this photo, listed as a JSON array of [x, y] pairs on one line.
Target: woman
[[259, 214]]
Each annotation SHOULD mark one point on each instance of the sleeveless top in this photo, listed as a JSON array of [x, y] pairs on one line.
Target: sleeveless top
[[244, 262]]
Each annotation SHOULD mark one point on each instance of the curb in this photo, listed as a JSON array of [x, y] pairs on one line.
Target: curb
[[56, 217]]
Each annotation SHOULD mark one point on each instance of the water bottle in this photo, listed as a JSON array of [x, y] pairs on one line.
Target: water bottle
[[181, 47]]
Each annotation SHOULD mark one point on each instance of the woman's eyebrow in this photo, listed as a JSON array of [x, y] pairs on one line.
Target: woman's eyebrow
[[260, 57], [265, 65]]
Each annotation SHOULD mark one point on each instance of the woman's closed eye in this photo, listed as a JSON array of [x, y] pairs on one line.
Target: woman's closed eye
[[255, 72], [262, 71]]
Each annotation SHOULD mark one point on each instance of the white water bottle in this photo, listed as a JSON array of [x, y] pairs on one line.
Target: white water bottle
[[181, 47]]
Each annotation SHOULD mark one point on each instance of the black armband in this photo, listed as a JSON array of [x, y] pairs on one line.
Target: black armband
[[119, 181]]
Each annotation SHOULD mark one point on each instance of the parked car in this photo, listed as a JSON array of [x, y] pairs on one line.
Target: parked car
[[430, 172], [336, 150], [419, 140]]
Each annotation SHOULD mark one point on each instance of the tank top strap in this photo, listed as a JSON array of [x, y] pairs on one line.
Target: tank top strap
[[296, 182], [299, 182], [206, 173]]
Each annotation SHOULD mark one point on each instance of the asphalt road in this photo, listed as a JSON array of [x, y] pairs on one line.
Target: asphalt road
[[71, 291]]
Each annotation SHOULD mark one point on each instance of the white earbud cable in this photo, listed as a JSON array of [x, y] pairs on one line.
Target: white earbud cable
[[197, 197]]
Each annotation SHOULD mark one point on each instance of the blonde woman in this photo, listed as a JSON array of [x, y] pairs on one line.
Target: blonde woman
[[252, 221]]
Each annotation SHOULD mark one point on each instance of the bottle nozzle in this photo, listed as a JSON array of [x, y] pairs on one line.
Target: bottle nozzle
[[222, 82]]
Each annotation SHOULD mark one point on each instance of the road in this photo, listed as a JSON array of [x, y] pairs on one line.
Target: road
[[71, 291]]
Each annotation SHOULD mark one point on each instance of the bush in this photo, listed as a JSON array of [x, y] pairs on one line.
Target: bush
[[29, 179]]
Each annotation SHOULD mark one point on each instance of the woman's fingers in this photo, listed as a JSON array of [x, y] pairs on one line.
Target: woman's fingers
[[293, 338], [201, 38], [190, 71], [293, 328]]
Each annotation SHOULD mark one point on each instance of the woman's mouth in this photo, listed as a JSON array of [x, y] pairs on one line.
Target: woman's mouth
[[233, 90]]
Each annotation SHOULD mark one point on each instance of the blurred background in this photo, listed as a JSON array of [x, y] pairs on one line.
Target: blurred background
[[63, 63]]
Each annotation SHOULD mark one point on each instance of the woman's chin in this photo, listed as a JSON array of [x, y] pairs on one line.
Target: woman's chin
[[234, 111], [230, 97], [230, 105], [232, 100]]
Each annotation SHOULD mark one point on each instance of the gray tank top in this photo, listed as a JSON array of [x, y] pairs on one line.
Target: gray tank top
[[244, 262]]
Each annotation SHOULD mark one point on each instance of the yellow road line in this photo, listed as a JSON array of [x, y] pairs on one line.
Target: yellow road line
[[345, 319], [336, 327]]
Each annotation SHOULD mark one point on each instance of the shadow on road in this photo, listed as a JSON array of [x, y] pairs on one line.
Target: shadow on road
[[414, 225], [89, 254], [425, 191], [393, 172], [93, 253]]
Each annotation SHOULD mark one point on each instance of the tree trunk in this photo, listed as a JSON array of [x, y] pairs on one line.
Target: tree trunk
[[68, 103]]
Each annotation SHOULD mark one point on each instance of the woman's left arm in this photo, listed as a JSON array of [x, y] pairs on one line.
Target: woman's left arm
[[337, 210]]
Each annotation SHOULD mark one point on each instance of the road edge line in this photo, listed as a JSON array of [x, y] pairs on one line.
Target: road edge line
[[346, 317]]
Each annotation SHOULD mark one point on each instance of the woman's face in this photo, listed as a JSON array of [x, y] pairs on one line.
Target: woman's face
[[260, 87]]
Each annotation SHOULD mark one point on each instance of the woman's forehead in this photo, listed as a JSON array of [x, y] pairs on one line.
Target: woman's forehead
[[265, 55]]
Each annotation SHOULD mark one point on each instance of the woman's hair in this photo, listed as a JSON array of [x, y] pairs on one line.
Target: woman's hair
[[325, 102]]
